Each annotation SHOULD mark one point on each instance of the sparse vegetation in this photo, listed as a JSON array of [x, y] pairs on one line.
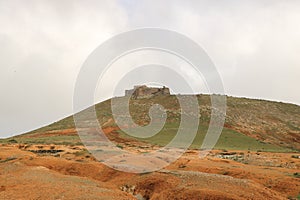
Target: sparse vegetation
[[55, 139], [8, 159], [12, 141], [246, 119], [296, 174], [83, 152]]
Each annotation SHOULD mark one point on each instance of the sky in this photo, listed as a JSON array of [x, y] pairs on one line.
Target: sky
[[254, 44]]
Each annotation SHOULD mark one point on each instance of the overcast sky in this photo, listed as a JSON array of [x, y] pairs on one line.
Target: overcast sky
[[255, 46]]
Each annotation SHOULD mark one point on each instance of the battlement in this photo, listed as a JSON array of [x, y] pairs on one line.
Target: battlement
[[142, 91]]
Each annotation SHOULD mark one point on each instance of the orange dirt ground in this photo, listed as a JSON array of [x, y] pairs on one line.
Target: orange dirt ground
[[28, 175], [72, 173]]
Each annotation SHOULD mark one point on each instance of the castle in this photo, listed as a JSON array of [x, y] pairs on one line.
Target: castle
[[142, 91]]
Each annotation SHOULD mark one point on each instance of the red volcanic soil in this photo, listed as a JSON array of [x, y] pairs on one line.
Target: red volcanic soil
[[70, 172], [72, 175]]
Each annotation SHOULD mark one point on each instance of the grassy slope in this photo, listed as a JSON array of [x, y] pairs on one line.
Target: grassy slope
[[250, 124], [229, 140]]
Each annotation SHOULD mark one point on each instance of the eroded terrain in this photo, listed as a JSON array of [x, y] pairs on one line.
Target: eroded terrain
[[70, 172]]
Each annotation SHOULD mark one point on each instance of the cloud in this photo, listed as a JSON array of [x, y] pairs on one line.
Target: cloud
[[42, 46], [254, 45]]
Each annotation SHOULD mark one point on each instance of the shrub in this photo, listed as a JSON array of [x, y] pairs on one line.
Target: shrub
[[13, 141], [8, 159], [297, 174]]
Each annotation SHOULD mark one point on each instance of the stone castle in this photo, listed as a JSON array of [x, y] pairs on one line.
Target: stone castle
[[142, 91]]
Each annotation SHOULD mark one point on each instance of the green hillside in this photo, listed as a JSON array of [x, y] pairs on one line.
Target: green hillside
[[250, 124]]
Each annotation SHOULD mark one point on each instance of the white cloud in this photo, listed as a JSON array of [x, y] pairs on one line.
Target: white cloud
[[254, 44], [42, 46]]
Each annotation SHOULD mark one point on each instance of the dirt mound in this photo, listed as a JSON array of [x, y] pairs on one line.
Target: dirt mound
[[195, 194], [36, 182], [151, 186]]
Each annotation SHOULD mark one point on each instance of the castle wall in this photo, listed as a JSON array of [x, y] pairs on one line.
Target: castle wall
[[146, 92]]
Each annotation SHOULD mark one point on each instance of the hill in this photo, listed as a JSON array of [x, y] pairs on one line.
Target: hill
[[250, 124], [255, 157]]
